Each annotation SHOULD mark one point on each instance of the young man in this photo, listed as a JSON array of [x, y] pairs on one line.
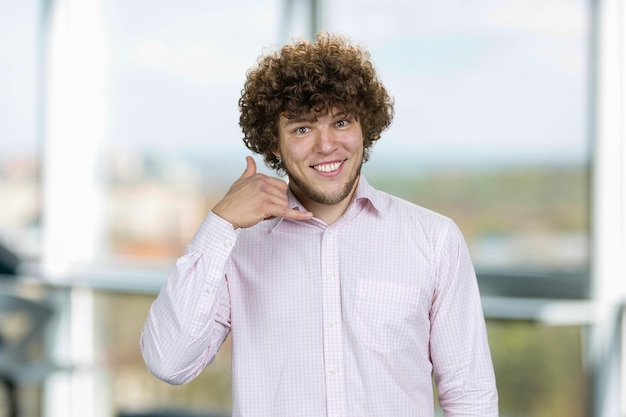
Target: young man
[[342, 300]]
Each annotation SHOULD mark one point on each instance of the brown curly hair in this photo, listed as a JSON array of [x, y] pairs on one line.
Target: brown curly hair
[[310, 79]]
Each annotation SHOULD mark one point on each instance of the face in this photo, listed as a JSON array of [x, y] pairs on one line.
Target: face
[[322, 157]]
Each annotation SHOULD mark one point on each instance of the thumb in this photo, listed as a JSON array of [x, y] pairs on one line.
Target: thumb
[[250, 167]]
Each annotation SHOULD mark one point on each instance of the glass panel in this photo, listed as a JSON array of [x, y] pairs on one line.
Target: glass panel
[[132, 387], [539, 370], [19, 147], [22, 367], [491, 130], [174, 147], [174, 142], [491, 124]]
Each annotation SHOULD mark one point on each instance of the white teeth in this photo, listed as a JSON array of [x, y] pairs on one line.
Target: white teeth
[[328, 167]]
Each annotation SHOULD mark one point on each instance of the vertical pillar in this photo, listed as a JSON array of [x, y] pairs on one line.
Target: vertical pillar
[[301, 19], [75, 116], [74, 119], [609, 207]]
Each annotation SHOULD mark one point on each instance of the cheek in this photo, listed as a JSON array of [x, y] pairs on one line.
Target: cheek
[[357, 145], [294, 152]]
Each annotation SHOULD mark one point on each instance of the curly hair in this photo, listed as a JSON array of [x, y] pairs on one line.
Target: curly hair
[[311, 79]]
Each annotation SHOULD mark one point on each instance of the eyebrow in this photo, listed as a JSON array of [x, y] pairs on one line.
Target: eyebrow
[[296, 120]]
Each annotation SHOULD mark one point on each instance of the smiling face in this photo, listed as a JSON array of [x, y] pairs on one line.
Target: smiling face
[[322, 158]]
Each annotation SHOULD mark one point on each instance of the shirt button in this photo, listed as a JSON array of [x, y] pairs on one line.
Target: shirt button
[[332, 323], [209, 290], [228, 243], [333, 371]]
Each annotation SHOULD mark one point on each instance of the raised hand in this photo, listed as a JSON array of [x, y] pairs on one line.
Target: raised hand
[[254, 198]]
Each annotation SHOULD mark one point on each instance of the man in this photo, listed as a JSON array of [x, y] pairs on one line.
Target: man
[[342, 300]]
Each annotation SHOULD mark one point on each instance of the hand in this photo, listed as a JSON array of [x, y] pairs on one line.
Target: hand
[[256, 197]]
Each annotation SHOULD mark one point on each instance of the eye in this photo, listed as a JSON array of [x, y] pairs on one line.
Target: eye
[[342, 123], [301, 130]]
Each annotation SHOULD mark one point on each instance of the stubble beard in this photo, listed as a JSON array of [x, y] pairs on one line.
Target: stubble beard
[[324, 198]]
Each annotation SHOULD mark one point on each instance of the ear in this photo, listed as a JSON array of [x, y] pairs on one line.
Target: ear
[[276, 153]]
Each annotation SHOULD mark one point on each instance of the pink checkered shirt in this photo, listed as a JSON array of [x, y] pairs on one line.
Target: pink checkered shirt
[[347, 320]]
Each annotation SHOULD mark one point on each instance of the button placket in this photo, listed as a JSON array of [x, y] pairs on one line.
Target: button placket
[[333, 336]]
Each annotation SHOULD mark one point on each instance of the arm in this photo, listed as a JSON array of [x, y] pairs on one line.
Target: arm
[[190, 317], [459, 349]]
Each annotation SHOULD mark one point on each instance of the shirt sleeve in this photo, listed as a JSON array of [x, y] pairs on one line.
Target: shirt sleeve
[[190, 318], [460, 354]]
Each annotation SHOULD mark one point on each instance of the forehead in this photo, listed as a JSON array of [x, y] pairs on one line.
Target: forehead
[[312, 115]]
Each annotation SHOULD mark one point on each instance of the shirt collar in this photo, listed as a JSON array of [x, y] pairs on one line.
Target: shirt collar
[[363, 194]]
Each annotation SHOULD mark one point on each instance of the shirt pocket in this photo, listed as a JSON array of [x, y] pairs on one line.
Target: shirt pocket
[[385, 314]]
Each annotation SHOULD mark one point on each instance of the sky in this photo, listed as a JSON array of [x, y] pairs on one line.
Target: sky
[[499, 82], [18, 22]]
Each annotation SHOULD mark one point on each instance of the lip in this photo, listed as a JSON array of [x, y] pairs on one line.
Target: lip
[[329, 168]]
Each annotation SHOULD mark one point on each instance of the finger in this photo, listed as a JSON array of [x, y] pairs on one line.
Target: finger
[[250, 167], [277, 186], [278, 206], [294, 214]]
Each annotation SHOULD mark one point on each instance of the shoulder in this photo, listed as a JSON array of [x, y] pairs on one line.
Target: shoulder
[[398, 208], [390, 206], [413, 221]]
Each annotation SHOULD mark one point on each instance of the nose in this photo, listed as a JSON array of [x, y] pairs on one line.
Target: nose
[[326, 141]]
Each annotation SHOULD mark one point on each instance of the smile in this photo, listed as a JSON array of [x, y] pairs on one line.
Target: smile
[[333, 166]]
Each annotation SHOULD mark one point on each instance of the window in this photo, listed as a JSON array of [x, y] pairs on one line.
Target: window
[[492, 120], [174, 143], [491, 129]]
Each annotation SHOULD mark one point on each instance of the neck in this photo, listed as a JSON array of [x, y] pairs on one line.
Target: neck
[[329, 213]]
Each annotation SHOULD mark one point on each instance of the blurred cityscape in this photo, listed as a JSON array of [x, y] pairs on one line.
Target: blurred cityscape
[[516, 216]]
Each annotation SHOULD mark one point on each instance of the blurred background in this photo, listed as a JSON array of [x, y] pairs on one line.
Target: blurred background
[[119, 131]]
